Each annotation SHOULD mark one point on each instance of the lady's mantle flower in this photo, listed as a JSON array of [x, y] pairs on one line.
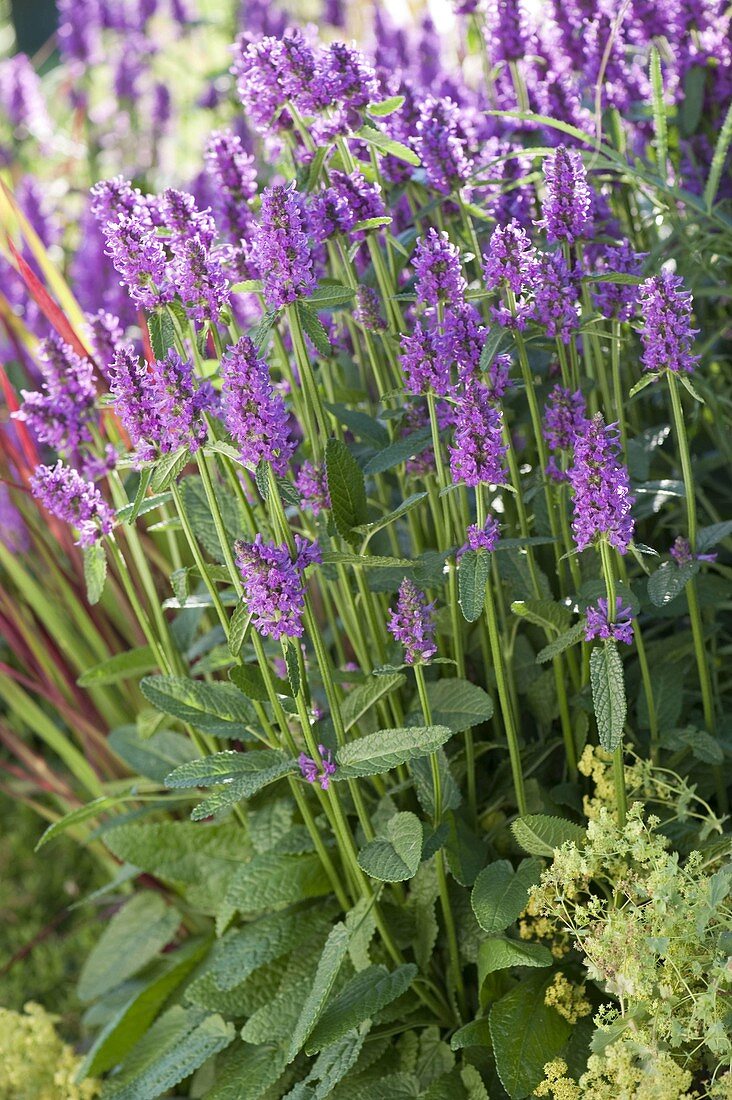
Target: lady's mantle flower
[[67, 496], [602, 496], [567, 203], [666, 335], [412, 623], [281, 247], [598, 623], [273, 584], [312, 773], [255, 415]]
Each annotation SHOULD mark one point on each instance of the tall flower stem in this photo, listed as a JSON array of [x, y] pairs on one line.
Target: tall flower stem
[[307, 379], [618, 756]]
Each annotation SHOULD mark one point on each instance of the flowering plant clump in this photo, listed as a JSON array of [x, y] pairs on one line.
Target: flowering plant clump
[[365, 542]]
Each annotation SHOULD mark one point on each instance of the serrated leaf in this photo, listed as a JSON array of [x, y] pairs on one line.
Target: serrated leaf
[[360, 423], [361, 698], [133, 937], [167, 468], [238, 625], [254, 770], [399, 452], [346, 488], [261, 333], [475, 1034], [704, 747], [493, 343], [646, 380], [526, 1034], [566, 640], [395, 857], [608, 694], [155, 757], [136, 507], [331, 296], [250, 681], [219, 709], [365, 561], [246, 1072], [458, 704], [718, 159], [148, 504], [76, 817], [95, 571], [541, 834], [406, 506], [550, 616], [501, 953], [265, 941], [707, 537], [334, 952], [690, 388], [386, 749], [670, 580], [387, 145], [123, 666], [272, 879], [361, 999], [314, 329], [474, 570], [500, 893], [371, 223], [293, 668], [162, 333]]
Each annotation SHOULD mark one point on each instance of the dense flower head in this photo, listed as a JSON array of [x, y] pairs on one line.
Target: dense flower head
[[424, 367], [139, 257], [21, 97], [367, 311], [349, 77], [507, 34], [257, 80], [460, 341], [477, 452], [682, 553], [79, 28], [349, 199], [200, 281], [439, 273], [510, 259], [555, 305], [177, 212], [440, 146], [107, 336], [565, 416], [281, 247], [112, 197], [274, 584], [62, 411], [486, 537], [616, 299], [666, 333], [412, 623], [234, 177], [497, 378], [312, 485], [66, 495], [598, 624], [567, 203], [601, 486], [254, 413], [320, 773]]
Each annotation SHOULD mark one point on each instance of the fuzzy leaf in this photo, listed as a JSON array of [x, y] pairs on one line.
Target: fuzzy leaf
[[238, 625], [252, 770], [385, 106], [388, 146], [162, 333], [272, 879], [608, 694], [346, 488], [386, 749], [167, 469], [549, 615], [331, 296], [565, 641], [525, 1034], [264, 941], [399, 452], [395, 857], [123, 666], [246, 1072], [219, 709], [501, 953], [155, 757], [334, 952], [314, 329], [500, 893], [473, 571], [364, 696], [95, 571], [459, 704], [670, 580], [363, 997], [541, 834]]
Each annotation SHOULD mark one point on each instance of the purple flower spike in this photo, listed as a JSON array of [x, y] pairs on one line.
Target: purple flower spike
[[423, 365], [617, 299], [477, 452], [200, 281], [412, 624], [555, 297], [234, 176], [481, 538], [682, 553], [310, 771], [564, 418], [65, 494], [602, 496], [312, 485], [281, 247], [62, 411], [440, 146], [139, 256], [666, 335], [255, 415], [439, 275], [367, 311], [598, 623], [510, 259], [274, 585], [566, 207]]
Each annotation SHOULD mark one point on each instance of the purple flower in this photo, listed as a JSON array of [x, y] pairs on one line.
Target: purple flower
[[110, 198], [460, 341], [312, 773], [200, 281], [555, 297], [481, 538], [107, 336], [273, 584], [507, 34], [349, 77], [234, 177], [350, 199], [477, 451], [281, 248], [602, 496], [616, 299], [312, 485], [564, 418], [441, 148], [367, 310], [21, 97], [598, 623], [254, 414], [79, 29], [62, 411], [257, 80], [498, 377], [412, 624], [135, 401], [510, 259], [666, 335], [178, 213], [139, 256], [423, 365], [439, 275], [65, 494], [682, 553], [567, 203]]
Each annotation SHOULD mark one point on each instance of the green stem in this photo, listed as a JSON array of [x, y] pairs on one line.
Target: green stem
[[618, 761]]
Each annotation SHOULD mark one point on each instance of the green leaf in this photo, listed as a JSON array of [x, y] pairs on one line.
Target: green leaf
[[406, 506], [474, 570], [137, 503], [246, 1072], [76, 817], [148, 504], [253, 770], [202, 521], [566, 640], [475, 1034], [361, 698], [155, 757], [707, 537], [399, 452], [250, 681], [132, 938], [238, 626], [361, 999], [670, 580], [608, 694], [265, 941], [386, 106], [500, 893], [334, 952], [646, 380], [526, 1034], [501, 953], [331, 295], [395, 857], [493, 342], [386, 749], [272, 879], [168, 467], [365, 561], [371, 223], [123, 666], [387, 145], [718, 159], [703, 746], [95, 571], [346, 488], [660, 126], [550, 616], [360, 423], [465, 851], [162, 333], [174, 1047], [458, 704], [541, 834], [690, 112], [220, 709], [293, 668], [690, 388], [313, 328], [260, 336]]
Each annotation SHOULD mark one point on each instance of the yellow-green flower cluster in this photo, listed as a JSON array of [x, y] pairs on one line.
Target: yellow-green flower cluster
[[35, 1063]]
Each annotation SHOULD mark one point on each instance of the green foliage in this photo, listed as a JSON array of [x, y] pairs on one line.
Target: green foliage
[[396, 856]]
